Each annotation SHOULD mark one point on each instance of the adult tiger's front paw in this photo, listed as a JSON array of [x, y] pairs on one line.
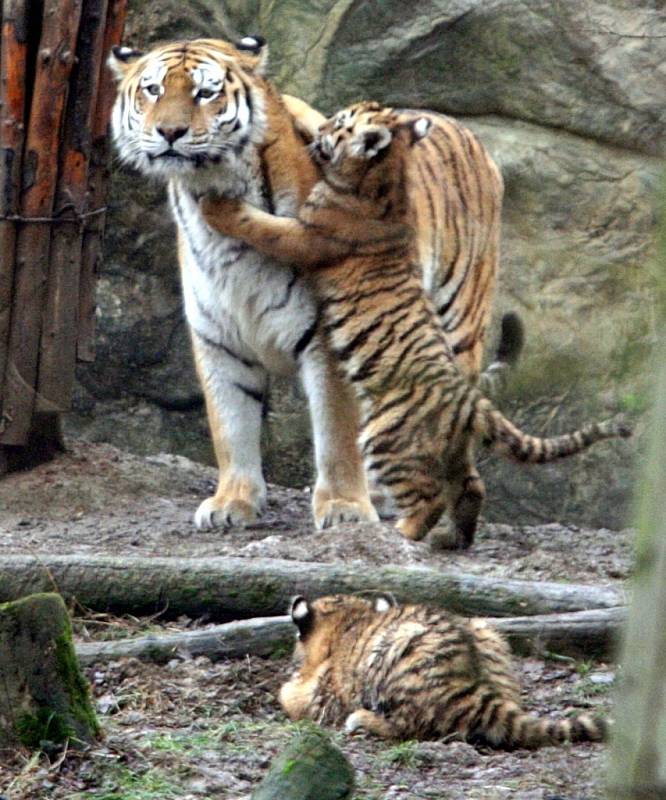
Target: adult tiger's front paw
[[237, 504], [330, 511]]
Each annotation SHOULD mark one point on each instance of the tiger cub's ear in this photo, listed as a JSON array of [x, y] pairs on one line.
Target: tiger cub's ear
[[121, 59], [384, 602], [301, 615], [371, 141]]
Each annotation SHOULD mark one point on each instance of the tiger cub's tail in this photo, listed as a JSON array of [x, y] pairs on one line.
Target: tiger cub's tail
[[504, 437], [512, 727]]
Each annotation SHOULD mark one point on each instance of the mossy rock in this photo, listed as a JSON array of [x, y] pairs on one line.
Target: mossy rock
[[43, 694], [310, 768]]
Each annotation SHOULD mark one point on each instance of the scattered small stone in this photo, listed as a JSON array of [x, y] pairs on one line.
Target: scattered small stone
[[602, 678]]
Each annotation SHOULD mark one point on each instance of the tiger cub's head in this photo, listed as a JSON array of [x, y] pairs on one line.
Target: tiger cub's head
[[321, 622], [186, 106], [358, 145]]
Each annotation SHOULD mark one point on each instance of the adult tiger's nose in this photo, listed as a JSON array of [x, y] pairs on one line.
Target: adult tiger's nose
[[171, 133]]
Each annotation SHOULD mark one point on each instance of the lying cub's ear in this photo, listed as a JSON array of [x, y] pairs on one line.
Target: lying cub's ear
[[420, 128], [301, 615], [121, 59], [384, 602], [371, 141]]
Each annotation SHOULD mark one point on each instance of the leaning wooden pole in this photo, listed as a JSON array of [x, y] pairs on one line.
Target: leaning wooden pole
[[638, 752], [98, 176]]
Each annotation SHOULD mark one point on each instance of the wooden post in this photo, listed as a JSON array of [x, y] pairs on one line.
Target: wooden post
[[55, 59], [53, 172], [13, 63], [58, 341]]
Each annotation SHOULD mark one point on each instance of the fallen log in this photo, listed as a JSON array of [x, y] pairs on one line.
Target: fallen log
[[583, 634], [263, 636], [235, 588]]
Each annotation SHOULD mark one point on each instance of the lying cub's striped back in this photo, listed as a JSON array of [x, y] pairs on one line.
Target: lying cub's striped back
[[409, 672]]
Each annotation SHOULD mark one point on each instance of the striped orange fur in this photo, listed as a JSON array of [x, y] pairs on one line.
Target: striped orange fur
[[420, 415], [413, 672]]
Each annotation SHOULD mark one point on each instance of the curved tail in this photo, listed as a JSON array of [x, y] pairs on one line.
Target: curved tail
[[504, 437], [512, 727]]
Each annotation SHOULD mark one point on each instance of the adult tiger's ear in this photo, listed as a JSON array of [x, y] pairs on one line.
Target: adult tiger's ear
[[301, 615], [255, 53], [371, 141], [121, 59], [419, 128], [383, 602]]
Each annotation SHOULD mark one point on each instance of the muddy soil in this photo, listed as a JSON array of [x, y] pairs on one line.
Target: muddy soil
[[193, 729]]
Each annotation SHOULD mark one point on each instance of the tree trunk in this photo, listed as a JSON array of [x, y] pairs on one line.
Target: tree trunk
[[310, 768], [43, 696], [638, 754], [580, 634], [234, 588]]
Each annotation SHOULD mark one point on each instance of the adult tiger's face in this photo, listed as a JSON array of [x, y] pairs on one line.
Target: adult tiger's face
[[356, 138], [186, 106]]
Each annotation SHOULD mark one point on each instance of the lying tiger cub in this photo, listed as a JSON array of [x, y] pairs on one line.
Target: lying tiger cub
[[420, 416], [405, 672]]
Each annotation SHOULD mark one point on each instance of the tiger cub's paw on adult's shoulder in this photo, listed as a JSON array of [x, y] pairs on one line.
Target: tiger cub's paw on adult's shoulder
[[335, 510], [230, 509]]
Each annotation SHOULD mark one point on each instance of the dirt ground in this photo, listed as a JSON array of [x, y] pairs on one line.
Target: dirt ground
[[195, 729]]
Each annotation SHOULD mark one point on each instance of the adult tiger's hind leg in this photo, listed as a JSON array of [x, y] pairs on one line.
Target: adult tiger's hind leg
[[341, 489], [234, 393]]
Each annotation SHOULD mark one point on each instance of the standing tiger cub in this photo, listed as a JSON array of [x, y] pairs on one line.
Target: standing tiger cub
[[420, 417], [405, 672]]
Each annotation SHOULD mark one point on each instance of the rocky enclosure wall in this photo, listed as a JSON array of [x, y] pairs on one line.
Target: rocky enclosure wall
[[568, 95]]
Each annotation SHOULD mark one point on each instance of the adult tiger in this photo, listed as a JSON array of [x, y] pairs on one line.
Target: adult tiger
[[200, 115]]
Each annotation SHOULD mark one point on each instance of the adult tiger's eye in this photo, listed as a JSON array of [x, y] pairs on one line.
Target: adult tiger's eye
[[153, 89], [205, 94]]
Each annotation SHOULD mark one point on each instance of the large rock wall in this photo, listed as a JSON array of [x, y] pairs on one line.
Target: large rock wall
[[569, 98]]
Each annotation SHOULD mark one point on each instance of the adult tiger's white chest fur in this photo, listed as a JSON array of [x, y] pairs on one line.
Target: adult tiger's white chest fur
[[198, 116], [233, 297]]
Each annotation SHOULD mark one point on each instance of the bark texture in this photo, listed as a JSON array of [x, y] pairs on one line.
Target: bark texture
[[233, 588], [580, 633]]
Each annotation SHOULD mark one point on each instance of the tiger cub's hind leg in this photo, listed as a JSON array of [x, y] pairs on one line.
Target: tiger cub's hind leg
[[466, 507], [465, 495]]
